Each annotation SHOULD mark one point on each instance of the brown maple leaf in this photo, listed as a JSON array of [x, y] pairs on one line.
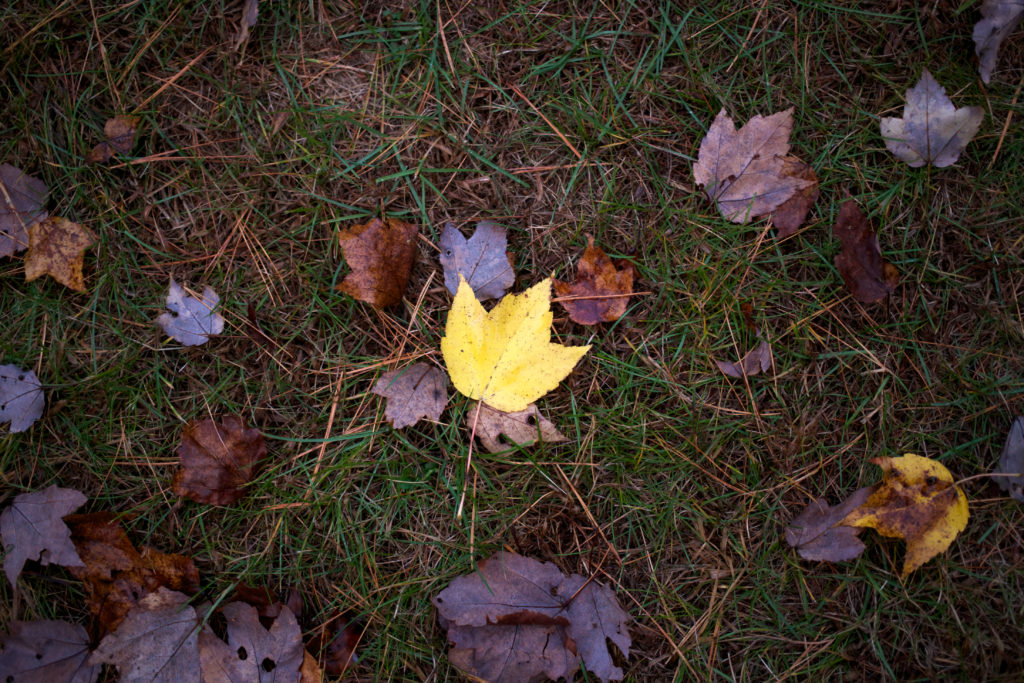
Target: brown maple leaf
[[412, 393], [381, 255], [56, 247], [866, 275], [498, 431], [120, 133], [792, 213], [601, 290], [218, 460]]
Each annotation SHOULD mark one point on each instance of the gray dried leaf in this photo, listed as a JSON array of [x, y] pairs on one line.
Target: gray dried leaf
[[498, 431], [816, 536], [1012, 461], [191, 321], [250, 11], [998, 20], [481, 259], [252, 654], [757, 360], [46, 652], [156, 643], [932, 130], [33, 529], [21, 397], [21, 204], [412, 393]]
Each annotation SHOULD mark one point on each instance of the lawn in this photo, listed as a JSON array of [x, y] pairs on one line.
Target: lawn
[[558, 121]]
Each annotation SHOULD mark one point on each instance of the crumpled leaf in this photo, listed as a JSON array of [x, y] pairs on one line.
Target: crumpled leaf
[[757, 360], [21, 204], [116, 574], [792, 213], [505, 357], [1011, 461], [250, 11], [817, 535], [46, 652], [252, 654], [191, 321], [998, 20], [481, 260], [381, 255], [498, 431], [744, 171], [120, 132], [606, 284], [932, 130], [21, 397], [157, 642], [413, 393], [56, 247], [865, 274], [517, 619], [916, 501], [217, 460], [33, 529]]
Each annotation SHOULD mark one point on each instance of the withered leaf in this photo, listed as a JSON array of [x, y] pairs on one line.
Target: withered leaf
[[21, 397], [932, 130], [189, 320], [381, 255], [266, 602], [250, 11], [792, 213], [56, 247], [603, 285], [481, 260], [817, 534], [32, 529], [998, 20], [218, 460], [157, 642], [412, 393], [744, 171], [498, 431], [341, 650], [866, 275], [252, 654], [757, 360], [21, 204], [1011, 461], [120, 133], [116, 574], [46, 652], [517, 619]]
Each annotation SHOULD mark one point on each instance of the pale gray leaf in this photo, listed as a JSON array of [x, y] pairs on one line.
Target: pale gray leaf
[[189, 320], [33, 529], [46, 652], [998, 20], [1012, 461], [817, 534], [21, 204], [21, 397], [481, 260]]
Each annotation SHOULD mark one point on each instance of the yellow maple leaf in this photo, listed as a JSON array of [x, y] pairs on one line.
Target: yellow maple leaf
[[916, 501], [56, 247], [505, 358]]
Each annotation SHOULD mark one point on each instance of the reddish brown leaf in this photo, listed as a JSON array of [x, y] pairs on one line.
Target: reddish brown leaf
[[381, 255], [603, 286], [120, 132], [217, 460], [337, 640], [56, 247], [116, 574], [32, 529], [792, 213], [866, 275], [817, 534], [412, 393]]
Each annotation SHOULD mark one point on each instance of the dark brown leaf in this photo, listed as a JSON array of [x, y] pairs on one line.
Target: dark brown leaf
[[21, 204], [866, 275], [792, 213], [498, 431], [56, 247], [46, 652], [32, 529], [338, 639], [602, 284], [517, 619], [412, 393], [120, 132], [218, 460], [816, 536], [381, 255], [252, 654], [481, 259], [1011, 461]]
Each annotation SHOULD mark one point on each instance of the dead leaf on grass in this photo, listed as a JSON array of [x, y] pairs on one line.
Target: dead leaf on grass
[[250, 11], [817, 534], [56, 247], [33, 529], [413, 393], [120, 133], [516, 619], [46, 652], [498, 431], [866, 275], [191, 321], [932, 130], [1011, 461], [381, 255], [757, 360], [603, 285], [21, 397], [998, 20], [252, 654], [792, 213], [482, 260], [218, 460], [21, 204]]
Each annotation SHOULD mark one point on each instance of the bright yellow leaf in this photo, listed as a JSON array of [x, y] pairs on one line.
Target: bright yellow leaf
[[916, 501], [505, 358]]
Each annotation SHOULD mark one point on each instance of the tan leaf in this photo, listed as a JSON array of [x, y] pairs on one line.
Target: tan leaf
[[866, 275], [412, 393], [499, 431], [21, 204], [120, 132], [602, 284], [381, 255], [792, 213], [218, 460], [56, 247]]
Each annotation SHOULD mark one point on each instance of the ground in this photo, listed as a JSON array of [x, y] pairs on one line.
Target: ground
[[558, 121]]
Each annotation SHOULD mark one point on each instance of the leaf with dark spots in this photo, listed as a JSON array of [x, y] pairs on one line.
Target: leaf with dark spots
[[481, 260], [866, 275], [413, 393], [601, 290], [817, 535], [381, 255], [498, 431], [46, 652], [252, 654], [32, 529], [218, 460]]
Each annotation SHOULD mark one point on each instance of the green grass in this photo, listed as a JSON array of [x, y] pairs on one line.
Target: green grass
[[677, 483]]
